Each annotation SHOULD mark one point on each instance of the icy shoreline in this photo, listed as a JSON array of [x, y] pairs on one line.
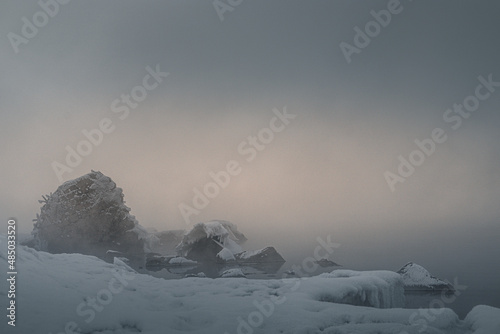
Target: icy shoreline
[[79, 293]]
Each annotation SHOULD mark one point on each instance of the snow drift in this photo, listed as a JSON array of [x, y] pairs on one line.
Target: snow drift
[[83, 294]]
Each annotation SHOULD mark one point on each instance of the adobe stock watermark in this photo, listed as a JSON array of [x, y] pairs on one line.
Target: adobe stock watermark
[[421, 318], [223, 6], [249, 149], [265, 309], [88, 308], [373, 28], [452, 116], [120, 106], [31, 28]]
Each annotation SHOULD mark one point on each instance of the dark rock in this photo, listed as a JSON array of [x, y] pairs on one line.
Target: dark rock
[[204, 250], [205, 240], [165, 242]]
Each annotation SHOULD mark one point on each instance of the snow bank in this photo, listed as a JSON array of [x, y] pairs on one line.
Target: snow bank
[[73, 291], [484, 320]]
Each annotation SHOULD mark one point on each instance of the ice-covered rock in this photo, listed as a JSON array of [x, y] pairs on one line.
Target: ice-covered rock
[[160, 261], [326, 263], [181, 261], [417, 278], [88, 215], [484, 320], [219, 241], [226, 255], [165, 242], [198, 275], [265, 255], [381, 289], [206, 240]]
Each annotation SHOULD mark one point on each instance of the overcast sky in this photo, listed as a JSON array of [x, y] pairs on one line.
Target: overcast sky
[[322, 174]]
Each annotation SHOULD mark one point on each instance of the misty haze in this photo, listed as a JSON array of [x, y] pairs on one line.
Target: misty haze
[[236, 166]]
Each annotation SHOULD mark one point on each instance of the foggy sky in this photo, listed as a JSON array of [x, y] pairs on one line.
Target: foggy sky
[[323, 174]]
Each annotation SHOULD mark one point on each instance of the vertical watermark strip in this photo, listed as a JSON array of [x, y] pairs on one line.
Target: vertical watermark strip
[[11, 271]]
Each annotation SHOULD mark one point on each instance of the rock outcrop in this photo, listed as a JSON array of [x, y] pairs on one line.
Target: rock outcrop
[[265, 255], [88, 215], [206, 242], [417, 278]]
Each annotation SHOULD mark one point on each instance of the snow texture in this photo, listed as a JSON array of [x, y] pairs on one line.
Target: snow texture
[[83, 294], [416, 276], [249, 254], [226, 255], [88, 215]]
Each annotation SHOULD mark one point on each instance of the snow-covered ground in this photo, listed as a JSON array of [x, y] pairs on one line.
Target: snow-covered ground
[[67, 293]]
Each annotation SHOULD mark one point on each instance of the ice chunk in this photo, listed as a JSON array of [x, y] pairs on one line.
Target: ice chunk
[[61, 289], [88, 215], [226, 255], [181, 261], [381, 289], [265, 255], [416, 277]]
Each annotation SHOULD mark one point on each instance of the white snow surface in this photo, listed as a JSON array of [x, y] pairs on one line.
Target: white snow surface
[[415, 275], [55, 292], [181, 261]]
